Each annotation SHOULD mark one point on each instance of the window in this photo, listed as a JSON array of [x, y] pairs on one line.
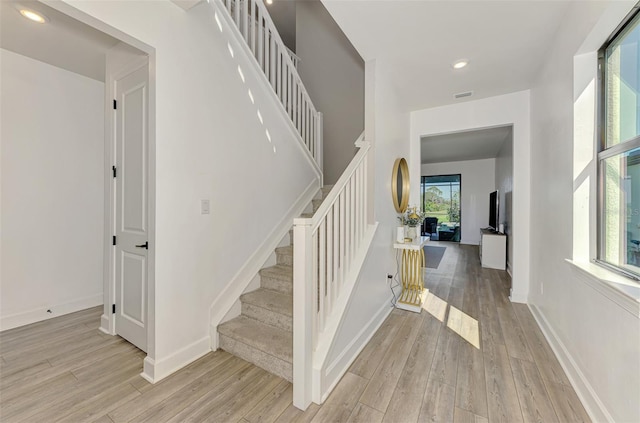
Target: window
[[619, 155], [441, 204]]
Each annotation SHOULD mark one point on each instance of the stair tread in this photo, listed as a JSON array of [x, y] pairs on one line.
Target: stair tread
[[317, 202], [268, 339], [279, 271], [288, 250], [270, 300], [326, 190]]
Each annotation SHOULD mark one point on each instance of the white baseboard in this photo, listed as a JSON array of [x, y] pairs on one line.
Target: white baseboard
[[340, 365], [469, 242], [156, 370], [239, 283], [105, 325], [590, 400], [519, 297], [27, 317]]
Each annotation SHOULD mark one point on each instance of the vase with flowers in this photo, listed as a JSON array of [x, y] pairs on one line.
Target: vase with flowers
[[412, 219]]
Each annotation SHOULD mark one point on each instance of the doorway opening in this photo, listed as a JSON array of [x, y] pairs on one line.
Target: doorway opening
[[71, 78], [440, 196]]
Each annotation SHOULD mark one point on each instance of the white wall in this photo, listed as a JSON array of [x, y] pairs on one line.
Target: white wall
[[387, 127], [52, 130], [209, 144], [333, 74], [509, 109], [504, 185], [594, 329], [478, 181]]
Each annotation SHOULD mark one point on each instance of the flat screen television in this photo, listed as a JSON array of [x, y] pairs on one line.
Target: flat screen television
[[494, 208]]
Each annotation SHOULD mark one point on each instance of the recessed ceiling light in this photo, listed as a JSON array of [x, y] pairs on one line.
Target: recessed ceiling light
[[33, 16], [460, 64], [269, 1]]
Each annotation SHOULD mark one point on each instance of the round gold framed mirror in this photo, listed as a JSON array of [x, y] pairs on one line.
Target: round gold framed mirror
[[400, 185]]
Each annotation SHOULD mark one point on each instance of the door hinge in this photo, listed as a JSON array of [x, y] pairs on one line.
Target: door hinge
[[114, 240], [113, 309], [115, 105], [115, 172]]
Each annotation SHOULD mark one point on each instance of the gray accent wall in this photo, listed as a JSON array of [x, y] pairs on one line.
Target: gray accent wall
[[333, 73], [283, 15], [504, 185]]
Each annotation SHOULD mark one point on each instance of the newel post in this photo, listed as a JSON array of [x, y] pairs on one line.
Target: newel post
[[302, 312]]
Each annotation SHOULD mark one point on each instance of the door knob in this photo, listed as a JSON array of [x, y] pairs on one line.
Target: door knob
[[145, 245]]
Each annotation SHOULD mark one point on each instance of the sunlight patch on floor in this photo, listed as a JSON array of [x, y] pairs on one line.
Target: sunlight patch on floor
[[464, 325], [435, 306]]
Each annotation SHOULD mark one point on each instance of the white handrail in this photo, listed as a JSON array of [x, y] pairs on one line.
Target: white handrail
[[294, 57], [252, 20], [324, 248]]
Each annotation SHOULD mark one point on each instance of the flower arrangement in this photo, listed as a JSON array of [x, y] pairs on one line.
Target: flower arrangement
[[412, 217]]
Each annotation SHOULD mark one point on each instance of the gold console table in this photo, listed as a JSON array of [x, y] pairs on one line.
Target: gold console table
[[411, 274]]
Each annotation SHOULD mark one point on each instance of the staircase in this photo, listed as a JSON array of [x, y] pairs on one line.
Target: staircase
[[263, 333], [291, 335]]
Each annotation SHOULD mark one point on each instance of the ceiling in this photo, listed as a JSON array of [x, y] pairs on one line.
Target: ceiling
[[62, 42], [469, 145], [417, 41]]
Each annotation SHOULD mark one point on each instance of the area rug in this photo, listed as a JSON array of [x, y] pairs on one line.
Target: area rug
[[433, 255]]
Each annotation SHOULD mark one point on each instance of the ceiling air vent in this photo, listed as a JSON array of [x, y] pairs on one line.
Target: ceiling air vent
[[462, 95]]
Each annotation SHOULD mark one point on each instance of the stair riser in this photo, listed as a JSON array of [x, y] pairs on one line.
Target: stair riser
[[284, 259], [268, 317], [261, 359], [316, 204], [286, 287]]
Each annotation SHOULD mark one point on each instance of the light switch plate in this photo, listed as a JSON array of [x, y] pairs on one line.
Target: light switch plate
[[205, 207]]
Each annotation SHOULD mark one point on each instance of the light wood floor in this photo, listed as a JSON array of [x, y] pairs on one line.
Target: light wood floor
[[416, 368]]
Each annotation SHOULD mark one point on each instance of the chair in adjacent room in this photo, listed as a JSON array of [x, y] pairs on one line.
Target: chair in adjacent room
[[429, 225]]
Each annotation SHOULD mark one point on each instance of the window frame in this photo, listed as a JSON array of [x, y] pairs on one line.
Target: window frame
[[604, 152]]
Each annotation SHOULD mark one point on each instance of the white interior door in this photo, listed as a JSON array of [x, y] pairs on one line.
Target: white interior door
[[131, 200]]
